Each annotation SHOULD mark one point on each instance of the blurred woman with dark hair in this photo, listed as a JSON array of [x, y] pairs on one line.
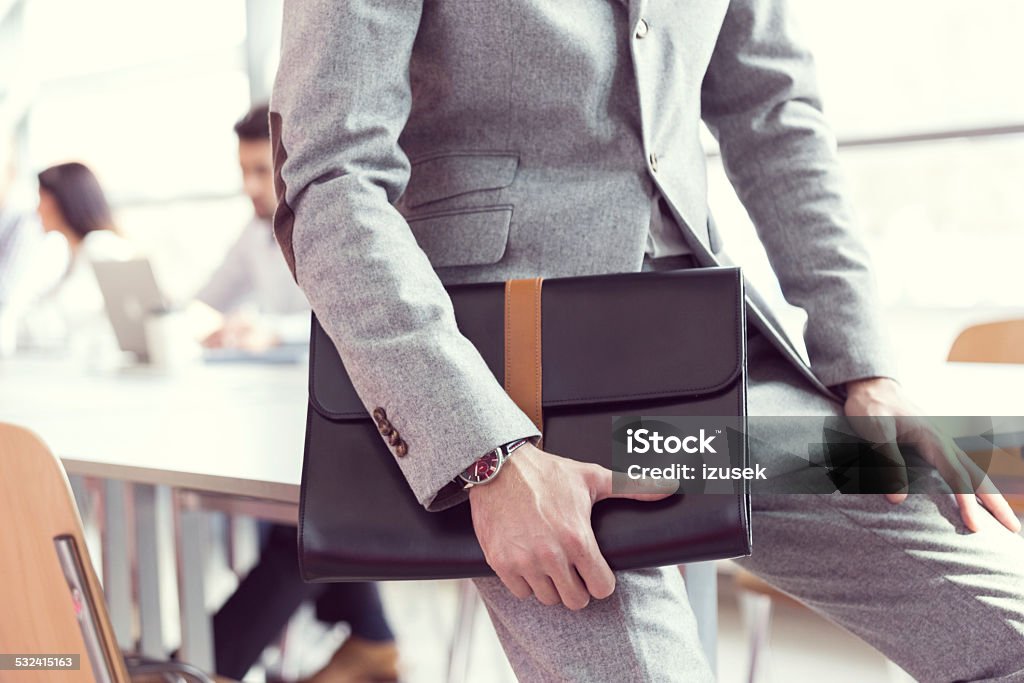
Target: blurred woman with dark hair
[[73, 204]]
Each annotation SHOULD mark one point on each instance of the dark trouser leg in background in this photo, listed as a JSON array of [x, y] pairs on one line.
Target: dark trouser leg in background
[[358, 605], [259, 609], [257, 612]]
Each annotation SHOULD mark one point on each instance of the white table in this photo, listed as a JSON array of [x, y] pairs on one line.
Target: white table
[[228, 432], [232, 428], [965, 388]]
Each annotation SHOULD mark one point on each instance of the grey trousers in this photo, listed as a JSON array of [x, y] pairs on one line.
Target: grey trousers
[[910, 579]]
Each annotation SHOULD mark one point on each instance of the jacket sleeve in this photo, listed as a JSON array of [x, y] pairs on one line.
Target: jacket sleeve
[[760, 99], [340, 100]]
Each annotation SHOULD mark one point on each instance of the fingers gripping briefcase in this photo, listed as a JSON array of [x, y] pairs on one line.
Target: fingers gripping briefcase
[[645, 344]]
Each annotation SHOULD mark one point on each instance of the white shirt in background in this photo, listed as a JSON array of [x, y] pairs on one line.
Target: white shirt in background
[[72, 313], [21, 238], [19, 235], [254, 275]]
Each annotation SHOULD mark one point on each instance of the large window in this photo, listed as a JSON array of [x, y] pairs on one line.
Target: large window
[[916, 65], [930, 120], [146, 93], [151, 108]]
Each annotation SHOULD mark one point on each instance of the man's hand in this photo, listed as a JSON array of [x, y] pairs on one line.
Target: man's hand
[[533, 523], [883, 415], [241, 331]]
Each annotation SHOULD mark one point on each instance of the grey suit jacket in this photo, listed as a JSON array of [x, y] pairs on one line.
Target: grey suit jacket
[[421, 142]]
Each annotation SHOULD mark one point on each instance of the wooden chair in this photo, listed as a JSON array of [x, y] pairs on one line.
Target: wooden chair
[[47, 582], [1000, 341], [995, 342]]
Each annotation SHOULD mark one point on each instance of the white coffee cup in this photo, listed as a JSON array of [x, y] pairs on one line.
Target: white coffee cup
[[169, 344]]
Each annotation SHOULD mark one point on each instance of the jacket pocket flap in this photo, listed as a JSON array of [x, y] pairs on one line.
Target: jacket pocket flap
[[465, 237], [451, 175]]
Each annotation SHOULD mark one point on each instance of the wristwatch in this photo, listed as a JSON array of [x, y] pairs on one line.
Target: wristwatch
[[486, 468]]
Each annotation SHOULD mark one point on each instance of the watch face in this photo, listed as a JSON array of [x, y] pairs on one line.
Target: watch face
[[483, 469]]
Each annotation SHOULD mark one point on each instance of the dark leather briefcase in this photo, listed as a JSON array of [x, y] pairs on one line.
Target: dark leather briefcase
[[629, 344]]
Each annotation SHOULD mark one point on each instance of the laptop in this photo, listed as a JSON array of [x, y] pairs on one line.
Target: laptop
[[130, 294]]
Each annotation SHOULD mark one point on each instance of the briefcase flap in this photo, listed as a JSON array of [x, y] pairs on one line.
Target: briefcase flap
[[602, 341]]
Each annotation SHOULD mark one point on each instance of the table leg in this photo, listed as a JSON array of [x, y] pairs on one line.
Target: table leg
[[462, 633], [243, 543], [197, 629], [81, 493], [91, 525], [117, 582], [154, 531], [702, 590]]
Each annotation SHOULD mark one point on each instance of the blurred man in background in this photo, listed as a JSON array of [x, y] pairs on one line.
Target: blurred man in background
[[254, 272], [252, 289]]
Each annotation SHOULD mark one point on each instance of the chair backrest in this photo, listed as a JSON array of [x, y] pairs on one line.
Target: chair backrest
[[37, 611], [995, 342]]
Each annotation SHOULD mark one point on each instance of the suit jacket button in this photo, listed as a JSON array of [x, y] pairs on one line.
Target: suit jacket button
[[641, 29], [394, 438], [401, 449], [379, 415], [385, 428]]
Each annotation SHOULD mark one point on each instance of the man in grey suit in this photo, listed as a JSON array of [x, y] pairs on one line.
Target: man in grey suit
[[420, 143]]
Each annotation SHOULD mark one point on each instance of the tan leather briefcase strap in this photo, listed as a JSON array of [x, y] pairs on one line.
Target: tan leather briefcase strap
[[523, 347]]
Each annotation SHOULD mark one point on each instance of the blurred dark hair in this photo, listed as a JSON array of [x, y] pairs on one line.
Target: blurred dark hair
[[79, 196], [255, 125]]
